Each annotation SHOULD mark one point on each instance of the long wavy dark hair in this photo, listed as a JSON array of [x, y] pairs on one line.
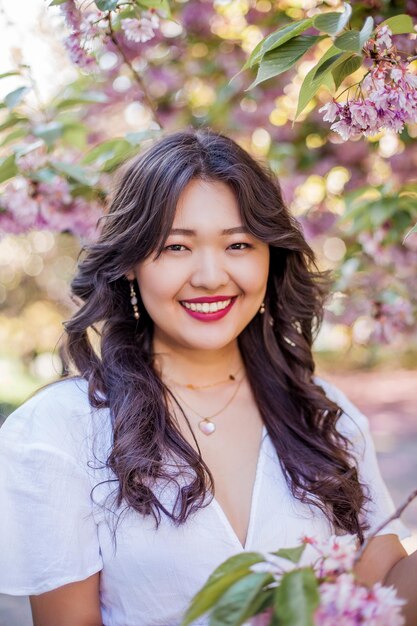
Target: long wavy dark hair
[[276, 347]]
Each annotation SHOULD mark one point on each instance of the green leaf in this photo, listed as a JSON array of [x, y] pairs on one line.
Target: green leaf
[[283, 58], [15, 134], [75, 134], [262, 602], [44, 175], [14, 97], [234, 607], [56, 2], [85, 98], [8, 168], [276, 39], [106, 5], [311, 83], [328, 64], [399, 24], [347, 67], [12, 120], [110, 154], [75, 172], [366, 31], [25, 148], [348, 41], [354, 40], [105, 150], [291, 554], [296, 598], [332, 23], [137, 137], [382, 210], [220, 580], [6, 74], [49, 131]]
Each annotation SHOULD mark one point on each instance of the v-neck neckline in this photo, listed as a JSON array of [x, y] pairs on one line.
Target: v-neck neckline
[[254, 498]]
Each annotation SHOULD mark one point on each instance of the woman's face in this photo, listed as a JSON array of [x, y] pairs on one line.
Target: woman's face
[[211, 277]]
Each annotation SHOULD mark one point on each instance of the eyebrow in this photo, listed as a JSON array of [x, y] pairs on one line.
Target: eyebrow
[[191, 233]]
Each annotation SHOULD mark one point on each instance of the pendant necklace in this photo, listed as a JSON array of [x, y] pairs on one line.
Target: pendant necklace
[[206, 425]]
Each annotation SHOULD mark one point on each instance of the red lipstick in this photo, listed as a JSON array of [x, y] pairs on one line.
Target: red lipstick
[[210, 317]]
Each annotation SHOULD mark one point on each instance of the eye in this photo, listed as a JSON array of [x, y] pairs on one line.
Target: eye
[[175, 247], [240, 246]]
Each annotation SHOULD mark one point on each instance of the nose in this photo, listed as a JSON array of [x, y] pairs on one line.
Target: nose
[[209, 271]]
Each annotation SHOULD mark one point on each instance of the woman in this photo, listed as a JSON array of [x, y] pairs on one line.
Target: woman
[[193, 347]]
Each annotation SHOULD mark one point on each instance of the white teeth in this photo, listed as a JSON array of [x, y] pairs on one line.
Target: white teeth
[[207, 307]]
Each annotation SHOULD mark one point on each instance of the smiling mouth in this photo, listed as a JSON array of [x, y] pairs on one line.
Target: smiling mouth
[[207, 307]]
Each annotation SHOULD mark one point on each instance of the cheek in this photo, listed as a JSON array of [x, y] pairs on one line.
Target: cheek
[[157, 283], [253, 274]]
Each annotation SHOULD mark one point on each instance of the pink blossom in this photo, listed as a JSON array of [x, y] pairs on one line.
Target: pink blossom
[[331, 110], [83, 29], [383, 38], [344, 129], [410, 80], [77, 52], [364, 115], [54, 194], [336, 555], [18, 201], [346, 603], [372, 242], [396, 74], [72, 14], [9, 225], [51, 206], [140, 30], [32, 161], [78, 217], [388, 97]]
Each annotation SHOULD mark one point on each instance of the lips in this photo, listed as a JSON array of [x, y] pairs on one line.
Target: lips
[[209, 308]]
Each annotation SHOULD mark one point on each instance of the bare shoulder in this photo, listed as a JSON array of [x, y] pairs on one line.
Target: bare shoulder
[[379, 557], [75, 604]]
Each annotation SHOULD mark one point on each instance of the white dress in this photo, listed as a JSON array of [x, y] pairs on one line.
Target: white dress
[[52, 449]]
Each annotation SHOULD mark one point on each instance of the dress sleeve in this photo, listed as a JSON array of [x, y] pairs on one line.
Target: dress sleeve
[[355, 426], [48, 536]]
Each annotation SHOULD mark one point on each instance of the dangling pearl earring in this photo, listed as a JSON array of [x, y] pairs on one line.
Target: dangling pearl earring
[[262, 308], [134, 300]]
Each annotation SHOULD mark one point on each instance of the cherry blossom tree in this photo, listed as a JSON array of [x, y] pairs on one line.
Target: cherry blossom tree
[[325, 94]]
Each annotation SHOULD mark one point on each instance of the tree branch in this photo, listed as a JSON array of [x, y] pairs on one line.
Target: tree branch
[[138, 78], [394, 516]]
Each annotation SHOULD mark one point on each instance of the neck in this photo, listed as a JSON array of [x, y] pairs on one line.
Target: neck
[[195, 367]]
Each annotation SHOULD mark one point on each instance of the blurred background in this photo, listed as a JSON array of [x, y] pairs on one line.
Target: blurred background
[[81, 93]]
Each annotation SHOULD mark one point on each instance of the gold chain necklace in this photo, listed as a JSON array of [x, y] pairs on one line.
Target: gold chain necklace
[[205, 424], [230, 378]]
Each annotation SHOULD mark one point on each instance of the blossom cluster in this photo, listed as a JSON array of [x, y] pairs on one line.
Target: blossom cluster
[[140, 30], [83, 28], [87, 25], [388, 95], [342, 599], [29, 205]]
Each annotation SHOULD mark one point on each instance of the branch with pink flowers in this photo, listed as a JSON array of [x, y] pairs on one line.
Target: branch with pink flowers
[[313, 584], [384, 96], [144, 66]]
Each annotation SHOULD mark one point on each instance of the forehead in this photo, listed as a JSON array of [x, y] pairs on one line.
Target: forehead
[[207, 204]]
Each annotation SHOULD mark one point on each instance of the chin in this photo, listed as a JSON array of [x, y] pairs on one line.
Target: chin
[[209, 343]]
